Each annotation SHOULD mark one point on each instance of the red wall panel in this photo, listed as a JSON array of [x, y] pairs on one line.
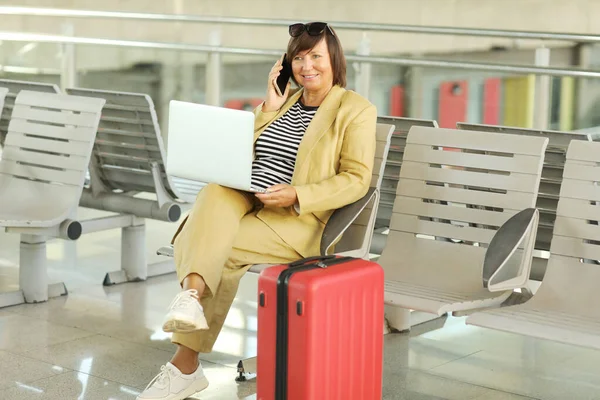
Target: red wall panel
[[452, 105], [240, 104], [397, 101], [491, 101]]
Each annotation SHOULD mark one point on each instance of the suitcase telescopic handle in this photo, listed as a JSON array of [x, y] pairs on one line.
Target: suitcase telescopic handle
[[309, 260]]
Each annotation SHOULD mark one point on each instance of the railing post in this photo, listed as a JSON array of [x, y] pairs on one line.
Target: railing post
[[587, 90], [543, 86], [213, 71], [363, 69], [68, 70], [414, 90]]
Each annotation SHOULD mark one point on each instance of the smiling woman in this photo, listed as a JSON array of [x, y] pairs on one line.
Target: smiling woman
[[318, 60], [314, 153], [318, 64]]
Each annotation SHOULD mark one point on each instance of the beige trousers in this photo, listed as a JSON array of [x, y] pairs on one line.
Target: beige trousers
[[220, 240]]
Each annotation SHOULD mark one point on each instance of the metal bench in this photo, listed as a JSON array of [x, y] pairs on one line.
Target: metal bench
[[550, 183], [129, 154], [391, 174], [128, 158], [565, 307], [463, 196], [42, 172], [14, 87]]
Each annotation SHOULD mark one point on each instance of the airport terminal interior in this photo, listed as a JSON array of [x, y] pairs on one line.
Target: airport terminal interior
[[483, 208]]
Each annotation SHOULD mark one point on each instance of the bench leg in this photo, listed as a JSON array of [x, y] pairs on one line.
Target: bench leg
[[401, 319], [33, 275], [134, 261], [33, 272], [134, 266], [133, 252], [398, 318]]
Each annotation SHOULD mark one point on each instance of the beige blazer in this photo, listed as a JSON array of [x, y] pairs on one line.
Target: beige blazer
[[333, 166]]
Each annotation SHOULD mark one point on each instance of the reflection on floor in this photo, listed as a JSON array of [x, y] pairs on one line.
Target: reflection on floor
[[107, 343]]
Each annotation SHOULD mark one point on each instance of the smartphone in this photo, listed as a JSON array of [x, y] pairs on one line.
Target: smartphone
[[284, 76]]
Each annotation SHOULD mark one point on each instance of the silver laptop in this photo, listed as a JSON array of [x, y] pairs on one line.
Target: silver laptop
[[211, 144]]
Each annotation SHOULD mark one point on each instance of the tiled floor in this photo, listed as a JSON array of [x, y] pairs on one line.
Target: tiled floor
[[106, 342]]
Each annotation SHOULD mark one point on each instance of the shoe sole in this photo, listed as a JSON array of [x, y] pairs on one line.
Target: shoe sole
[[184, 326], [198, 386]]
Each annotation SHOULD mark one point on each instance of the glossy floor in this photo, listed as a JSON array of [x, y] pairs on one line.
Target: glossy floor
[[106, 342]]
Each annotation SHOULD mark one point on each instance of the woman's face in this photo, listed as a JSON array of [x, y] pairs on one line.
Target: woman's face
[[312, 68]]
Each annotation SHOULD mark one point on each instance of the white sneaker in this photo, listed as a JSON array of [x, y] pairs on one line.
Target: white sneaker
[[171, 384], [185, 314]]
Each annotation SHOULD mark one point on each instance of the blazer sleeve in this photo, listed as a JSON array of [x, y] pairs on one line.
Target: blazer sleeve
[[262, 118], [356, 168]]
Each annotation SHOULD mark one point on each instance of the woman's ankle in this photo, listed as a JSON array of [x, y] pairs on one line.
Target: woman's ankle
[[194, 281], [185, 366], [186, 360]]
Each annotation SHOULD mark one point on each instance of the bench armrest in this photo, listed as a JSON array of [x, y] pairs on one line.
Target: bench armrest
[[502, 268], [342, 218], [165, 251]]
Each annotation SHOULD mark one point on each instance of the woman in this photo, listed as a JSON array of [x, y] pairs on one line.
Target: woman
[[314, 152]]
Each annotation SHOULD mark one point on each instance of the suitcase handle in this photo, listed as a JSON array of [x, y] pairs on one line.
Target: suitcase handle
[[309, 260]]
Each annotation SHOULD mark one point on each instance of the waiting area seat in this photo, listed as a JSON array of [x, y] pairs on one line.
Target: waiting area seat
[[129, 158], [565, 307], [458, 187], [391, 174], [42, 172], [129, 154], [552, 172], [14, 87]]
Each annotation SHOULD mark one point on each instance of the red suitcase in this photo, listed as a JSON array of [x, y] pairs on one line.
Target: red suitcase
[[320, 330]]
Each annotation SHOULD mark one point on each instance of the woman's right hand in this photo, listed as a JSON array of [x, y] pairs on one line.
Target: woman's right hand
[[274, 101]]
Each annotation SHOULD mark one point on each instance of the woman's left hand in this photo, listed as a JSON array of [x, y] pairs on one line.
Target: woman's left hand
[[279, 196]]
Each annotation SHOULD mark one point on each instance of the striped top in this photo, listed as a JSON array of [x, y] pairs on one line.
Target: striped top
[[276, 148]]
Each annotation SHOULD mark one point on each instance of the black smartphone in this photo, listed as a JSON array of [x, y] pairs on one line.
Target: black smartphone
[[284, 76]]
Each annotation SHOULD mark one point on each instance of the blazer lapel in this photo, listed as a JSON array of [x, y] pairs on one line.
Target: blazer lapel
[[321, 122]]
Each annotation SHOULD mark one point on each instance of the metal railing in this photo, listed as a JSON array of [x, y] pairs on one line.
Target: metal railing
[[361, 26], [413, 62]]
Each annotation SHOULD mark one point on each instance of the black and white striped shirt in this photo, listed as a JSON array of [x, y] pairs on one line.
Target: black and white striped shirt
[[276, 148]]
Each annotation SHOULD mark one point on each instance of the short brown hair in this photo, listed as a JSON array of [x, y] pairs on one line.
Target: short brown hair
[[306, 42]]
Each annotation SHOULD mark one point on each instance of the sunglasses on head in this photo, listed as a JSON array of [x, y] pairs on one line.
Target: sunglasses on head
[[312, 28]]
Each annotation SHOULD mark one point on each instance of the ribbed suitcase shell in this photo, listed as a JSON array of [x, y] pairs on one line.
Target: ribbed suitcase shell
[[335, 347]]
